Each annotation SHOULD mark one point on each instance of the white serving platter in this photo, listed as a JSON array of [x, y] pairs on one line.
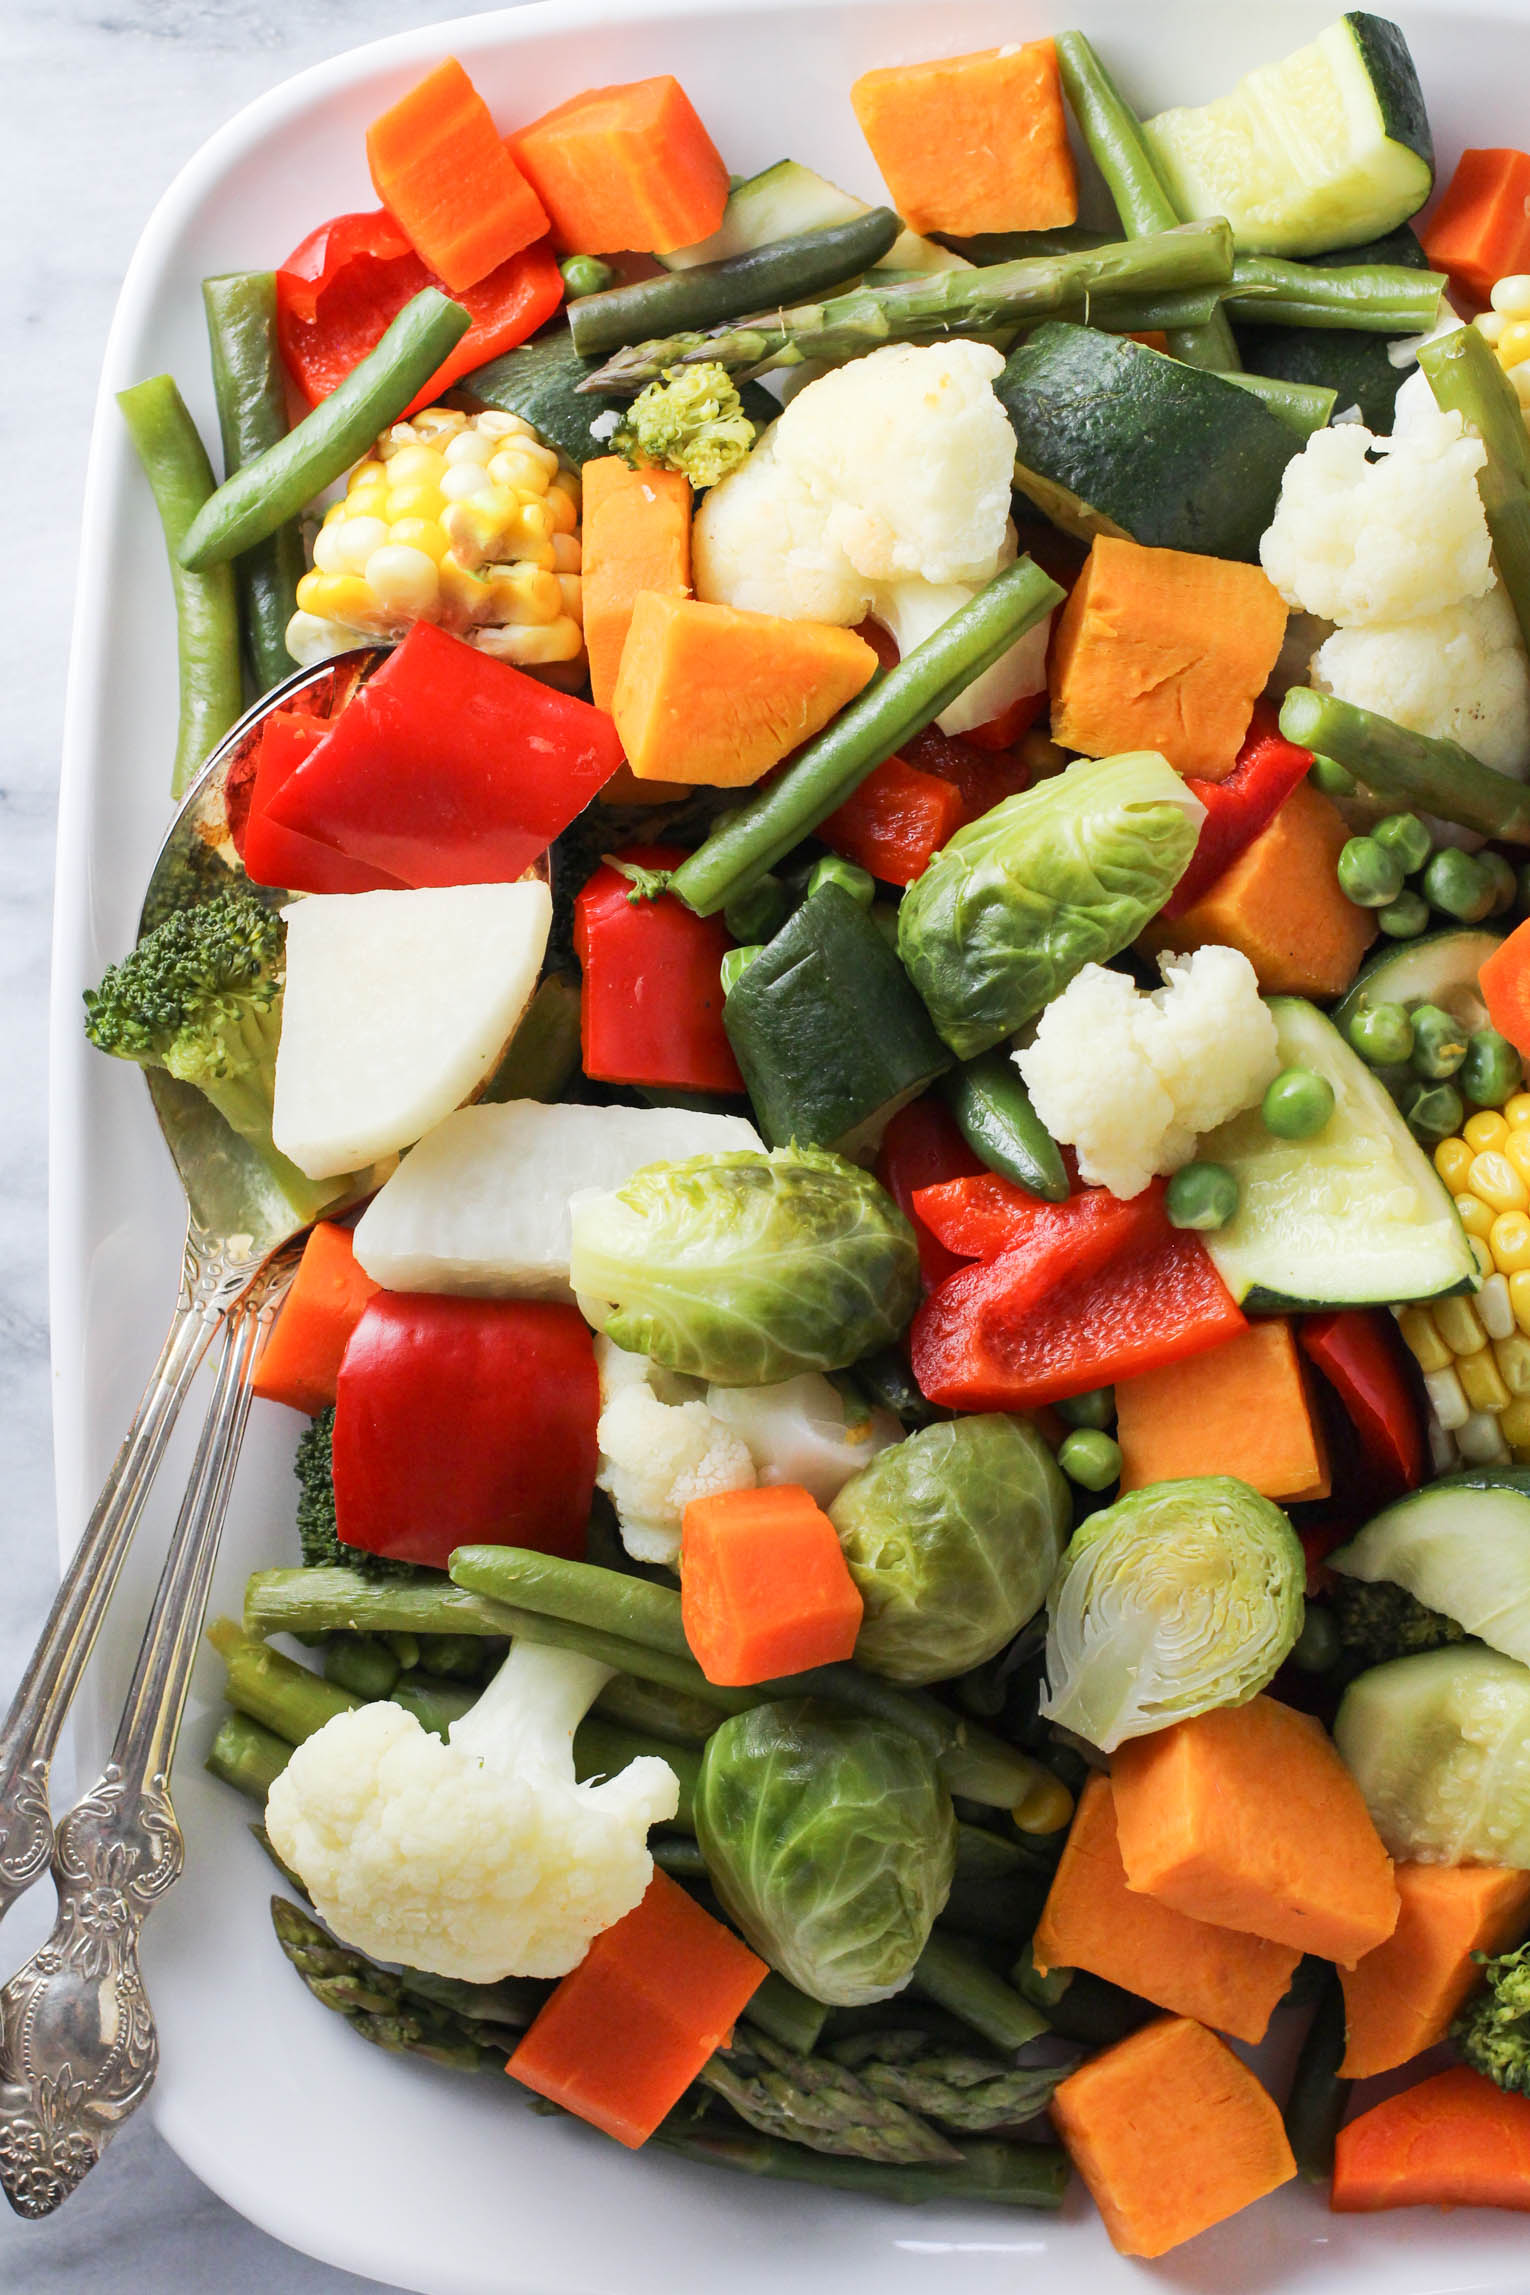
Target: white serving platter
[[418, 2177]]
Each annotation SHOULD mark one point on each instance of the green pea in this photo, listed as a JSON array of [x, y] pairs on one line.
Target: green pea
[[859, 883], [1298, 1104], [1317, 1647], [1437, 1114], [1491, 1070], [1404, 918], [1382, 1034], [1096, 1409], [1203, 1195], [1505, 882], [1458, 883], [586, 275], [1369, 875], [736, 961], [759, 911], [1404, 836], [1439, 1043], [1326, 774], [1089, 1458]]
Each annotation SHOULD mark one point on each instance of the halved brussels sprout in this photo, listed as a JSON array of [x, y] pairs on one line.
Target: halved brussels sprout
[[952, 1538], [1181, 1596]]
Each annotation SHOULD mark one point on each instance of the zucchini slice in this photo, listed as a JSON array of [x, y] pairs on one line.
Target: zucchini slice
[[1357, 1217], [1114, 438], [1329, 147], [1439, 1745], [1462, 1548], [1440, 969], [783, 201]]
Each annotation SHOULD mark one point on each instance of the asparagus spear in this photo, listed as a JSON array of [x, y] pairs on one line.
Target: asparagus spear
[[1008, 2175], [376, 2003], [812, 2100], [1466, 378], [247, 1755], [1431, 776], [972, 2094], [934, 304]]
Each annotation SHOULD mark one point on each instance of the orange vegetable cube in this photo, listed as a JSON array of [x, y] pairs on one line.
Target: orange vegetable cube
[[1399, 1999], [637, 536], [973, 143], [627, 2031], [447, 179], [1171, 2134], [1453, 2141], [1480, 232], [625, 167], [1505, 983], [1241, 1408], [765, 1589], [300, 1362], [1165, 650]]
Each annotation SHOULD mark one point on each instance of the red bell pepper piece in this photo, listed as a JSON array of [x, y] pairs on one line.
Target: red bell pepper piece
[[1084, 1299], [920, 1146], [465, 1421], [338, 292], [1360, 1353], [276, 856], [895, 822], [651, 1000], [982, 777], [1238, 808], [1011, 724], [448, 767], [980, 1216]]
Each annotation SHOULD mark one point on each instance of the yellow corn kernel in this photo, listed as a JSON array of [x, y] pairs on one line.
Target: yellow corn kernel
[[342, 598], [1517, 1149], [1494, 1181], [522, 594], [1509, 1242], [516, 468], [1517, 1110], [1423, 1341], [567, 554], [571, 590], [1519, 1298], [1490, 325], [565, 510], [1485, 1131], [1475, 1216], [424, 534], [1513, 1359], [529, 644], [1514, 343], [414, 498], [1453, 1160], [438, 424], [1483, 1257], [1460, 1326], [1515, 1422], [415, 466], [1481, 1383]]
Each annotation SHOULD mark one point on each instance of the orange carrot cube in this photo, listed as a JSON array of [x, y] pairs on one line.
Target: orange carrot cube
[[973, 143], [445, 175], [625, 168], [765, 1589], [301, 1360]]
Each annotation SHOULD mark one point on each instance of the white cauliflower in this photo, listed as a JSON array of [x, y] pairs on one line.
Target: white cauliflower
[[1460, 675], [1131, 1081], [480, 1858], [884, 489], [800, 1430], [660, 1447]]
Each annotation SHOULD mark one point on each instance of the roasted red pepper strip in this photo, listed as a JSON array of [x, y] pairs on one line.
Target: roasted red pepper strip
[[651, 1001], [979, 1216], [337, 294], [1003, 731], [465, 1421], [449, 768], [277, 856], [1360, 1354], [895, 822], [921, 1146], [1239, 807], [983, 778], [1081, 1301]]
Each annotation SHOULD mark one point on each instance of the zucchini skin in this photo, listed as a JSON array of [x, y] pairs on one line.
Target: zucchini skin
[[784, 271], [1390, 69]]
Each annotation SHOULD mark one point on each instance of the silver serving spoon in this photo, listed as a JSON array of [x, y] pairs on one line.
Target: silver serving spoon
[[77, 2045]]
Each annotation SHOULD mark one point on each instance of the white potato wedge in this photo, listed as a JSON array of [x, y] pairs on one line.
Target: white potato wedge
[[398, 1005], [481, 1206]]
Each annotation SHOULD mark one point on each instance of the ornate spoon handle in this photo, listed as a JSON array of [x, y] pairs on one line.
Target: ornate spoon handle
[[78, 2048], [210, 1283]]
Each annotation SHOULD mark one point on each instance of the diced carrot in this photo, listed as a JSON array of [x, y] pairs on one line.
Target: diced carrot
[[1480, 231], [973, 143], [1171, 2134], [1399, 1999], [765, 1589], [1241, 1408], [894, 822], [447, 179], [626, 167], [627, 2031], [1453, 2141], [1505, 983], [301, 1360], [1091, 1919], [636, 536], [1246, 1816]]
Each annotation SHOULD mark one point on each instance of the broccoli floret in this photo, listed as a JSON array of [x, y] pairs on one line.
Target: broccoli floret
[[317, 1534], [692, 419], [1379, 1620], [1493, 2030]]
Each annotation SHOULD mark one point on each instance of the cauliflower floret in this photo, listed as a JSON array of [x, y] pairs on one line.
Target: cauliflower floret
[[658, 1452], [1393, 539], [801, 1431], [480, 1858], [1461, 675], [758, 544], [1132, 1081]]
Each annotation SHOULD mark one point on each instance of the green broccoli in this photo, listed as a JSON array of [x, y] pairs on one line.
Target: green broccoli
[[1377, 1620], [691, 420], [1493, 2030], [318, 1536]]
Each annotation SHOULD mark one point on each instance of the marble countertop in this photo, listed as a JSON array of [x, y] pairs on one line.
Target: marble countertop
[[103, 102]]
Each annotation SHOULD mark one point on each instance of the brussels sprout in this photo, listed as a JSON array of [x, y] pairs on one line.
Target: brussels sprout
[[745, 1269], [1179, 1597], [831, 1842], [952, 1538], [1065, 875], [1439, 1744]]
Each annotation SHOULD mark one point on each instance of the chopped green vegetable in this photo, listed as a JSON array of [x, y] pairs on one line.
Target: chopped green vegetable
[[1493, 2030], [690, 420]]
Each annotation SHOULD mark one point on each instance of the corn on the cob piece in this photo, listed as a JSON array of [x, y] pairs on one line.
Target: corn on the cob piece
[[467, 521], [1507, 328]]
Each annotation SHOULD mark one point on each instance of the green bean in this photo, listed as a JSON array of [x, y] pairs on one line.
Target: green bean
[[953, 1976], [1167, 311], [542, 1057], [678, 1855], [1316, 2101], [265, 493], [882, 717], [994, 1114], [603, 1749], [206, 604], [658, 1712], [337, 1600], [251, 390], [1436, 776], [247, 1755], [1114, 137], [1379, 298], [1302, 407], [1466, 379]]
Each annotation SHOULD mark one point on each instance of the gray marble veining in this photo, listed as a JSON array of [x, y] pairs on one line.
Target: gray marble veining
[[100, 103]]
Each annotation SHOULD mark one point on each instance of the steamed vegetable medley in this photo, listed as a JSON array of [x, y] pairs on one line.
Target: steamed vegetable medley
[[915, 1505]]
